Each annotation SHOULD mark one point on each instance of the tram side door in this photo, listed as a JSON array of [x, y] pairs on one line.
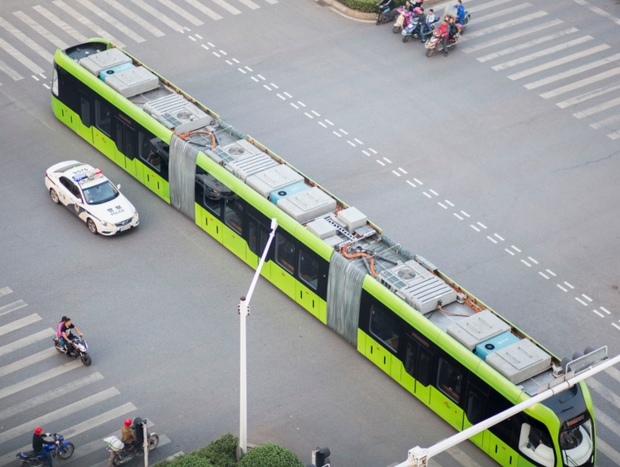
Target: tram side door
[[126, 144], [418, 364]]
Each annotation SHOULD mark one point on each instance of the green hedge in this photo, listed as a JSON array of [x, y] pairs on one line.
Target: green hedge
[[270, 455], [222, 453], [366, 6]]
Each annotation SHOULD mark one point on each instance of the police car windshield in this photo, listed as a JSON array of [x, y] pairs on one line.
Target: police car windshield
[[102, 193]]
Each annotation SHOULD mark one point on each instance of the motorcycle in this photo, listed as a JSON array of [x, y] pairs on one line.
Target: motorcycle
[[435, 43], [61, 448], [75, 348], [415, 29], [383, 18], [403, 20], [122, 454]]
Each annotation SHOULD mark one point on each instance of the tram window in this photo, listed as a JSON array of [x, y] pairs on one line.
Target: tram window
[[257, 236], [475, 405], [450, 380], [308, 268], [418, 362], [384, 327], [103, 116], [85, 111], [535, 443], [233, 214], [285, 253]]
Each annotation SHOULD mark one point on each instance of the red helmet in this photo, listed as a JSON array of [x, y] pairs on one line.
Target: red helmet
[[127, 422], [38, 430]]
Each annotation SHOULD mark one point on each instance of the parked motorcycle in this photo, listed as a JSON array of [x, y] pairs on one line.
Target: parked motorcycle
[[61, 448], [434, 43], [75, 348], [121, 454]]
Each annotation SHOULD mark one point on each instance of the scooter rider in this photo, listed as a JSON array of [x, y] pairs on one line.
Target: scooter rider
[[65, 332], [425, 27], [38, 440], [128, 436], [385, 6], [460, 11]]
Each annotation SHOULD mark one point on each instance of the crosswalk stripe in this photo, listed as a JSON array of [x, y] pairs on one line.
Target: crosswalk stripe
[[606, 122], [462, 457], [581, 83], [591, 94], [485, 6], [12, 307], [272, 2], [231, 9], [615, 374], [608, 451], [614, 135], [19, 323], [26, 341], [5, 291], [79, 429], [542, 53], [250, 4], [571, 72], [207, 11], [86, 22], [558, 62], [41, 30], [518, 34], [158, 14], [130, 14], [598, 108], [163, 440], [62, 412], [20, 57], [504, 25], [12, 74], [40, 378], [25, 362], [60, 23], [504, 12], [604, 392], [49, 395], [182, 12], [112, 21], [25, 40]]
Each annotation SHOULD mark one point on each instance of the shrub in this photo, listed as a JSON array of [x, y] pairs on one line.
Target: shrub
[[221, 452], [366, 6], [188, 460], [270, 455]]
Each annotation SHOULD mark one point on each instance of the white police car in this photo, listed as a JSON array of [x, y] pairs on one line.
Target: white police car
[[91, 196]]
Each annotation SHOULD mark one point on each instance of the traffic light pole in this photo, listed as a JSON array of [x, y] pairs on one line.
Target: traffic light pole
[[244, 310], [418, 457]]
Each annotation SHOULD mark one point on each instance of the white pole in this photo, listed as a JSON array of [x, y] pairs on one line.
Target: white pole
[[418, 457], [146, 443], [244, 310]]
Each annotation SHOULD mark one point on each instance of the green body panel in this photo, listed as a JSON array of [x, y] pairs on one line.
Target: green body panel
[[446, 408], [311, 301], [501, 452], [234, 242], [209, 223], [282, 280]]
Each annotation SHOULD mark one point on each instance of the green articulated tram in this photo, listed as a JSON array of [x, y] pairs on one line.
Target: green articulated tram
[[437, 340]]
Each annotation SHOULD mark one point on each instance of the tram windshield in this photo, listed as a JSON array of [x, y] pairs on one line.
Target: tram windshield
[[576, 441]]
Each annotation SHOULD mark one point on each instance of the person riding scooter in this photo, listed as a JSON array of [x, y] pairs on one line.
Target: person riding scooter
[[383, 9]]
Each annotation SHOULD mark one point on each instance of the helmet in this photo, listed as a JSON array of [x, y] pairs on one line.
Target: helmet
[[38, 430], [127, 422]]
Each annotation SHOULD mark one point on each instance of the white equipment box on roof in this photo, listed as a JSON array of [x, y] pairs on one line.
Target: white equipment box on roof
[[273, 179], [307, 205], [477, 328], [105, 59], [520, 361], [133, 81]]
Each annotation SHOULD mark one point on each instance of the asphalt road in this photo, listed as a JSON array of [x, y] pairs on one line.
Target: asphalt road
[[510, 193]]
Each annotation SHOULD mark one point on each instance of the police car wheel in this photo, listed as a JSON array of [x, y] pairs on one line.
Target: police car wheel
[[91, 225], [54, 196]]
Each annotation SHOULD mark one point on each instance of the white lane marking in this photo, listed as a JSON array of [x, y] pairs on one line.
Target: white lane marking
[[598, 108], [87, 22], [581, 83], [561, 288], [433, 192], [331, 124], [250, 4], [516, 35], [411, 183], [20, 57], [418, 181], [525, 45], [449, 203], [38, 379], [27, 361], [586, 297], [568, 285], [598, 313], [515, 248], [226, 6], [571, 72], [541, 53], [112, 21], [474, 227], [509, 252], [457, 216], [491, 4], [60, 23], [207, 11], [19, 323], [605, 122], [139, 20], [26, 341], [426, 194], [402, 170], [41, 30], [503, 25], [492, 239], [606, 310], [503, 12], [558, 62], [532, 260], [441, 204], [550, 272], [482, 225], [543, 274], [465, 214], [581, 301], [526, 263], [396, 173], [10, 307], [182, 12], [381, 162], [499, 237]]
